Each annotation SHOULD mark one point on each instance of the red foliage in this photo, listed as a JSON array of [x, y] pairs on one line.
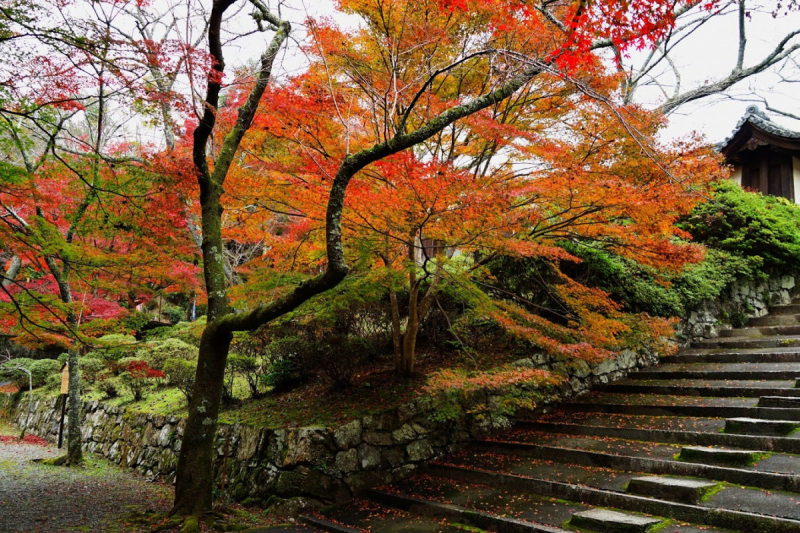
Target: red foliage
[[141, 370], [28, 439]]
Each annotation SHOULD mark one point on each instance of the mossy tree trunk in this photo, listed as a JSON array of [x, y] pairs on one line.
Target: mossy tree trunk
[[74, 449]]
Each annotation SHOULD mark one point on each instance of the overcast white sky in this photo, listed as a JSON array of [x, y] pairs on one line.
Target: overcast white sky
[[711, 54]]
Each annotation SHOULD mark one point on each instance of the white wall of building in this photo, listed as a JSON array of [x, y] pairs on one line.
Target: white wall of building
[[796, 176]]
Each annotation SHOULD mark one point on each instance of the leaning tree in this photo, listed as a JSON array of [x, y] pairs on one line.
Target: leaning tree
[[560, 39]]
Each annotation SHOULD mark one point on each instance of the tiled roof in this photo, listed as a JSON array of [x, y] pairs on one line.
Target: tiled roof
[[760, 120]]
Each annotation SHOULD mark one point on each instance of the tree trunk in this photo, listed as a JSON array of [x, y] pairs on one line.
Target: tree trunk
[[409, 346], [397, 334], [412, 327], [74, 450], [195, 473]]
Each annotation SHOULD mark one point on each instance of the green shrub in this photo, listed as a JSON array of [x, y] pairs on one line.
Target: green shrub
[[173, 313], [287, 357], [136, 321], [188, 332], [181, 373], [110, 387], [748, 225], [249, 368], [114, 347], [40, 369], [90, 368], [53, 382], [157, 353], [643, 290]]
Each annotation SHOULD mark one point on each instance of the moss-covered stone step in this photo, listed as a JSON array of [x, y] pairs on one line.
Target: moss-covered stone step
[[708, 388], [649, 460], [690, 431], [717, 456], [787, 309], [706, 514], [779, 401], [761, 331], [722, 371], [772, 341], [759, 426], [775, 320], [608, 521], [662, 405], [671, 488], [461, 515], [756, 355], [326, 525]]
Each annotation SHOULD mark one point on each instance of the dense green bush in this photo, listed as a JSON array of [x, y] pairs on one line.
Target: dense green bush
[[158, 352], [110, 387], [188, 332], [748, 225], [249, 368], [40, 369], [173, 313], [114, 347], [287, 357], [643, 290], [91, 368], [181, 373]]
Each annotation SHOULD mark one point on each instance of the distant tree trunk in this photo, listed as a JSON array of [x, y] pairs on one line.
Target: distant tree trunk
[[74, 450], [13, 270]]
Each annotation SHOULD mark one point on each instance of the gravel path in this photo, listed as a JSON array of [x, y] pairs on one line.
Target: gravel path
[[37, 498]]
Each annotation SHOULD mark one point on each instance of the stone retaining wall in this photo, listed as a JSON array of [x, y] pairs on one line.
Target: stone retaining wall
[[741, 300], [328, 464]]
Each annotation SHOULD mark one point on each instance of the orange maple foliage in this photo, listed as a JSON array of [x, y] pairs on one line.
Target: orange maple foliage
[[560, 161]]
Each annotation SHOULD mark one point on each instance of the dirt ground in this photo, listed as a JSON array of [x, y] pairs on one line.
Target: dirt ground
[[95, 497]]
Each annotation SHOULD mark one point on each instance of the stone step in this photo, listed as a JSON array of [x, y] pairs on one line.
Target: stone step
[[639, 432], [712, 516], [609, 521], [760, 426], [360, 514], [497, 500], [641, 463], [785, 309], [787, 401], [725, 456], [757, 355], [762, 331], [774, 320], [731, 496], [708, 388], [461, 515], [721, 371], [671, 488], [775, 341], [655, 405], [326, 525]]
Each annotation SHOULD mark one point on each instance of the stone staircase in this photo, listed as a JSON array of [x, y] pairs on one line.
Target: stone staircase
[[706, 441]]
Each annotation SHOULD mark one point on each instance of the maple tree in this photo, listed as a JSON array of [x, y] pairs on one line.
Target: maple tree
[[496, 185], [82, 217], [466, 57]]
